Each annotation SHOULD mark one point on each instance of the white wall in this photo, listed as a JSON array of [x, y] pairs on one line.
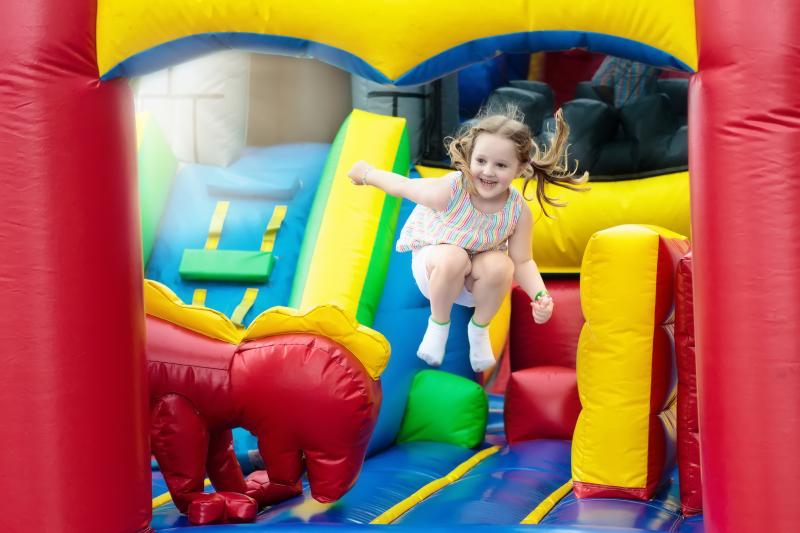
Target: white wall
[[201, 106], [296, 100], [212, 107]]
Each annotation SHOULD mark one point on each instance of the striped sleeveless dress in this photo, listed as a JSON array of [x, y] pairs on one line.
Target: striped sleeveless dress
[[461, 224]]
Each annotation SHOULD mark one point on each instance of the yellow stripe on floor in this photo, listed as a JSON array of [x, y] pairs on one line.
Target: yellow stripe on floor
[[397, 510], [274, 224], [244, 306], [546, 505], [215, 228], [199, 297]]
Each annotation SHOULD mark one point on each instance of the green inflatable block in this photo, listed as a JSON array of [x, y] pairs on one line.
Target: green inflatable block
[[226, 265], [446, 408]]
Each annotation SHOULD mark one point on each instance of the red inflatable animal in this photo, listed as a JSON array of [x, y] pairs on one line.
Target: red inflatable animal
[[309, 399]]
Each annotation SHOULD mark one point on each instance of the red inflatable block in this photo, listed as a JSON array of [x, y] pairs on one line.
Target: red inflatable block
[[552, 343], [542, 403]]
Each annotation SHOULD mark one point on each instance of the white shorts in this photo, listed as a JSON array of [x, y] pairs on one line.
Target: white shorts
[[419, 263]]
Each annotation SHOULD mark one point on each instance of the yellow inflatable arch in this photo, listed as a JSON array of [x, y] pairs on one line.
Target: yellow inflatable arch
[[135, 37]]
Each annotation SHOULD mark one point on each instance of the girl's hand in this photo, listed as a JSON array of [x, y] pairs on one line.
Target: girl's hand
[[358, 173], [542, 309]]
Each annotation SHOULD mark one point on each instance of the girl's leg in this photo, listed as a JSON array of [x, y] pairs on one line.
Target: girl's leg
[[446, 267], [490, 280]]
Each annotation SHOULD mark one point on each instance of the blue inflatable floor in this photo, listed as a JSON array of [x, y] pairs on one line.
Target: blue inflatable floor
[[500, 491]]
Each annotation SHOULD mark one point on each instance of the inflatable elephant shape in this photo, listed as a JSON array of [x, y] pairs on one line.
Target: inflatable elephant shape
[[309, 400]]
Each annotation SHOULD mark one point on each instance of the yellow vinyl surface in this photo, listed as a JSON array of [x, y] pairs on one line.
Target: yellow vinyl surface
[[352, 215], [615, 354], [392, 37]]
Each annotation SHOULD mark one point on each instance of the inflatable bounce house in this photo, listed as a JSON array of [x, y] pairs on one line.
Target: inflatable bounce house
[[230, 343]]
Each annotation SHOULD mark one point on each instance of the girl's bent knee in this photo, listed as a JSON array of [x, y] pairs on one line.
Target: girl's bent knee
[[451, 261], [494, 264]]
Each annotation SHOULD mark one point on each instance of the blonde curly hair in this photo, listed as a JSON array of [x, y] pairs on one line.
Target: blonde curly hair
[[549, 165]]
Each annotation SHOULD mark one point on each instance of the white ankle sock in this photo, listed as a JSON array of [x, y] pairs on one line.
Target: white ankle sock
[[431, 349], [480, 347]]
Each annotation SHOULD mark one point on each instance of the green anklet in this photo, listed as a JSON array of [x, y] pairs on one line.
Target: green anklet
[[478, 325]]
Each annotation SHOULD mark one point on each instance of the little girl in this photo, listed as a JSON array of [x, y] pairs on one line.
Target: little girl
[[470, 232]]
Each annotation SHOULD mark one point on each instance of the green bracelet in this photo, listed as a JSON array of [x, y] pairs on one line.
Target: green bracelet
[[541, 294]]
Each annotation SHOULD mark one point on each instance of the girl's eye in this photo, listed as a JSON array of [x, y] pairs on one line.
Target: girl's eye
[[481, 161], [501, 165]]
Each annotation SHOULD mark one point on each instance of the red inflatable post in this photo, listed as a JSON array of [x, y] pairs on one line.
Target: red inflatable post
[[744, 136], [688, 426], [72, 397]]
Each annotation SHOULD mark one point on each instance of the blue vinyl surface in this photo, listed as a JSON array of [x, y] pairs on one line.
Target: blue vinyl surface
[[385, 480], [495, 425], [159, 486], [497, 493], [358, 528], [502, 489], [693, 524]]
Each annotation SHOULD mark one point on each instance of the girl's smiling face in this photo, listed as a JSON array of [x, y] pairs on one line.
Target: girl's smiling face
[[493, 165]]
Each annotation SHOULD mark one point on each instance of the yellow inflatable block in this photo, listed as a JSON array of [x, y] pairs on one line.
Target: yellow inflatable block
[[432, 172], [499, 326], [559, 242], [625, 361]]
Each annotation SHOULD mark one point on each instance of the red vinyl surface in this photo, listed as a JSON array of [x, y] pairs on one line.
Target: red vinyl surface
[[541, 403], [688, 428], [309, 402], [744, 151], [542, 392], [552, 343], [72, 388], [313, 407]]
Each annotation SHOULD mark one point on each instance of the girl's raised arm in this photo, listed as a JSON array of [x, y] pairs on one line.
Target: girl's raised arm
[[525, 270], [430, 192]]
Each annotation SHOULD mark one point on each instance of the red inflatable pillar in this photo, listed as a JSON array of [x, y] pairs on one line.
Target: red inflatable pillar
[[73, 452], [744, 136]]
